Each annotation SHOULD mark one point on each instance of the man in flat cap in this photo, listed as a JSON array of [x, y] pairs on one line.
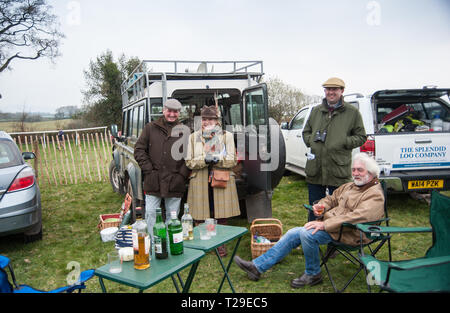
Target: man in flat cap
[[165, 177], [332, 131]]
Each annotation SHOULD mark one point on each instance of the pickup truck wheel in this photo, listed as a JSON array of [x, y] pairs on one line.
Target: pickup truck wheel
[[114, 178]]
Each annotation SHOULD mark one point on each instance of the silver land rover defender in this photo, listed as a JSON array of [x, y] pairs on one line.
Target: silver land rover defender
[[242, 99]]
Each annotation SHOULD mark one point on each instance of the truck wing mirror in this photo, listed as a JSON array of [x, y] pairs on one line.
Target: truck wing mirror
[[114, 131]]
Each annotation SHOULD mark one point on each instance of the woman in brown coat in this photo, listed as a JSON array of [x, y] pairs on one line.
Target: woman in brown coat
[[209, 149]]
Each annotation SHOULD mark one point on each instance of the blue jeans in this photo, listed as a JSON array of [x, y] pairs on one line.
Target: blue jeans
[[291, 240], [152, 203]]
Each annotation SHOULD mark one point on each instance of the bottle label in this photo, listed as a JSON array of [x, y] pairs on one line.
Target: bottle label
[[147, 244], [178, 237], [135, 239], [158, 244], [187, 227]]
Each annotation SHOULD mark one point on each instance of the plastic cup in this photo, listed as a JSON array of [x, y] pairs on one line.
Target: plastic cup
[[387, 170], [211, 226], [115, 262], [204, 233]]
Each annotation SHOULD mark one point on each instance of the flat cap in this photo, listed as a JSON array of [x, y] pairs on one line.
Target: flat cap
[[334, 82], [173, 104], [209, 112]]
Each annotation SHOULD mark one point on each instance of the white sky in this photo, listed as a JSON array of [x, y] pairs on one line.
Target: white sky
[[371, 45]]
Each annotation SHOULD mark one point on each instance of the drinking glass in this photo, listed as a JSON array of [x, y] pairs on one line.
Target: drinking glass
[[115, 262]]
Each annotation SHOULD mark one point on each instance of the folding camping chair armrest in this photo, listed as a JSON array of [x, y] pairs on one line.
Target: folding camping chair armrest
[[416, 264], [423, 262], [377, 222], [370, 228], [341, 229]]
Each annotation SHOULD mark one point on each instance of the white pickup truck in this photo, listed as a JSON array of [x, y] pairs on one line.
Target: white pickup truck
[[412, 155]]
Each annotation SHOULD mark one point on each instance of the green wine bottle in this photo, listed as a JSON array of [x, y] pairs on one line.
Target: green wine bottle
[[160, 236], [175, 234]]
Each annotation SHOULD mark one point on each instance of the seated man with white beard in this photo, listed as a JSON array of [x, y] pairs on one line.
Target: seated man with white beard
[[359, 201]]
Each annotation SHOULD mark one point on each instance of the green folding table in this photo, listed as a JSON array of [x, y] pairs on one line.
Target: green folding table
[[158, 271], [224, 234]]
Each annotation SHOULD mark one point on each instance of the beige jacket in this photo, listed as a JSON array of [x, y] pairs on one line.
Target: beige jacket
[[226, 203], [352, 204]]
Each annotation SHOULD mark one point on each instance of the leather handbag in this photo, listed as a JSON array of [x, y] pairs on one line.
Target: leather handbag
[[219, 178]]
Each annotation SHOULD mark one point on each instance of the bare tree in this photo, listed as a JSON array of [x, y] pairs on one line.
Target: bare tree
[[28, 31], [285, 100]]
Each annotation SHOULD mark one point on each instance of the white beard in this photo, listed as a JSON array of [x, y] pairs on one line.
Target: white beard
[[362, 181]]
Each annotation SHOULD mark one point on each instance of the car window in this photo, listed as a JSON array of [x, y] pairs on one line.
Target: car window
[[156, 111], [433, 108], [141, 120], [299, 120], [9, 154], [255, 108], [135, 122]]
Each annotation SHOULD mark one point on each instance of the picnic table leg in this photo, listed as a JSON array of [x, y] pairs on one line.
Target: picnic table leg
[[228, 266], [102, 285], [190, 277], [181, 280], [175, 283]]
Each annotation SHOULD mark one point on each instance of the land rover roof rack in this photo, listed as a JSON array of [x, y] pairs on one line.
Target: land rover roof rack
[[171, 69]]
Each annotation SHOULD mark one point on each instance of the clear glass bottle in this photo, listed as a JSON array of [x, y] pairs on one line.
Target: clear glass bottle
[[141, 242], [175, 234], [188, 224], [160, 236]]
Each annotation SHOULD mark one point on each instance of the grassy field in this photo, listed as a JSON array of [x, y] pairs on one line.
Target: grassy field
[[71, 214], [36, 126]]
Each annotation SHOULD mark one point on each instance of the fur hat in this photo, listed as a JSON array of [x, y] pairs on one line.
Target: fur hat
[[209, 112]]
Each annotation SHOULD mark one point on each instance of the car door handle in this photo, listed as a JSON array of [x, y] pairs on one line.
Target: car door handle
[[299, 135], [423, 141]]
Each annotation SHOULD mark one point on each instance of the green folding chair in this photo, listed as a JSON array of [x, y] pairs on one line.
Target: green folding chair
[[430, 273], [351, 253]]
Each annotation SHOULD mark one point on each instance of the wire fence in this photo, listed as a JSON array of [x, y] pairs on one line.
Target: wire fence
[[75, 156]]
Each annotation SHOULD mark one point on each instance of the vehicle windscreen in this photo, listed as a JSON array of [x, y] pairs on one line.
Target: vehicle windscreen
[[9, 154], [193, 100]]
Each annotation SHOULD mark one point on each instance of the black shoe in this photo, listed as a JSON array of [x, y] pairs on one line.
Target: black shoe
[[248, 267], [306, 280]]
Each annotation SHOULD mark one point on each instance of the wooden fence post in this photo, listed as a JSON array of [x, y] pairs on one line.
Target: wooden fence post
[[81, 158], [73, 161], [48, 148], [36, 160], [87, 158]]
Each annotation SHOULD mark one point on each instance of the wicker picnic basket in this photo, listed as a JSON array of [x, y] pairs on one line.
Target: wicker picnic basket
[[270, 228], [102, 224], [123, 210]]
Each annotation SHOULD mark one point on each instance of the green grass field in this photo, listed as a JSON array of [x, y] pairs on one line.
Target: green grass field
[[71, 214], [36, 126]]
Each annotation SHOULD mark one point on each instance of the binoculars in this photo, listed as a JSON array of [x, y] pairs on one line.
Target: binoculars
[[320, 136]]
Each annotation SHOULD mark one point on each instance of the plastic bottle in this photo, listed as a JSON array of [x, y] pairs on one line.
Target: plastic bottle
[[437, 124], [260, 239]]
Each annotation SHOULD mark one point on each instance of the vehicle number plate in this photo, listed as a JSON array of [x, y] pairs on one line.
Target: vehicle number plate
[[420, 184]]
